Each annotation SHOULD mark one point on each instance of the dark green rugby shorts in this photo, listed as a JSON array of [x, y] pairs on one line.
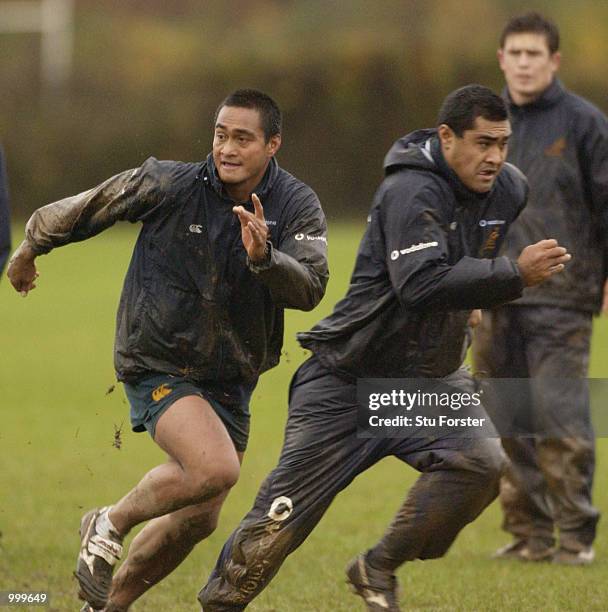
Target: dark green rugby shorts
[[151, 396]]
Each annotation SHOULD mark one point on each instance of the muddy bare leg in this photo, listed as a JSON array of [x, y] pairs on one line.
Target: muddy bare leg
[[160, 547], [203, 464]]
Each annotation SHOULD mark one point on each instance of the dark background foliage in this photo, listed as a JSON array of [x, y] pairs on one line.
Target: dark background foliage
[[350, 75]]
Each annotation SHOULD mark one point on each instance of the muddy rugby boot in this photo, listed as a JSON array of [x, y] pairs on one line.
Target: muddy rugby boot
[[571, 557], [109, 608], [378, 589], [96, 561], [533, 549]]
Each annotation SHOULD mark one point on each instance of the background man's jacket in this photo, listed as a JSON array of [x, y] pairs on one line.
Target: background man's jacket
[[560, 142]]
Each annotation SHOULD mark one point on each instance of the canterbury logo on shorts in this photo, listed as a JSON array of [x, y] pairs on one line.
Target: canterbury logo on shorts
[[160, 392]]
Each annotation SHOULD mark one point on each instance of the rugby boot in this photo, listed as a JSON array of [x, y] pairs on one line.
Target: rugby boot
[[109, 608], [563, 556], [532, 549], [96, 561], [378, 589]]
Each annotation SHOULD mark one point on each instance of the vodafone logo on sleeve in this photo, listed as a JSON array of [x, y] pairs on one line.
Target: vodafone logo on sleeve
[[415, 247], [307, 237]]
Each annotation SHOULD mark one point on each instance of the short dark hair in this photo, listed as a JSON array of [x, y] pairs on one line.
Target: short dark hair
[[460, 109], [532, 23], [263, 103]]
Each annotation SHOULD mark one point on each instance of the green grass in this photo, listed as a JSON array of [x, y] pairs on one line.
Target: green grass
[[56, 435]]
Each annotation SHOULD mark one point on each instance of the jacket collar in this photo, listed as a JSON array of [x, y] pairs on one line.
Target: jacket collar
[[551, 96], [262, 188]]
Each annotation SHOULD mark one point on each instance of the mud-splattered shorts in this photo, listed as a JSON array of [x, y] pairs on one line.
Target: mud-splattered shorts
[[151, 396]]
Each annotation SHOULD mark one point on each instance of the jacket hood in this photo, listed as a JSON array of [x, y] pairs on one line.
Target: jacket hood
[[262, 188], [421, 150], [412, 151]]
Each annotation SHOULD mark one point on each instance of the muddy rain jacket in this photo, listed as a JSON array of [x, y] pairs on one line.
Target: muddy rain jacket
[[560, 142], [192, 304], [428, 257]]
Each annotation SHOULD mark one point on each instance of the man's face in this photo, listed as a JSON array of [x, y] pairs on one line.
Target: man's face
[[479, 154], [240, 151], [528, 65]]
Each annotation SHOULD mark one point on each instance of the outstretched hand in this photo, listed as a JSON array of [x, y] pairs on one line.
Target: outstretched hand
[[537, 262], [254, 231], [21, 270]]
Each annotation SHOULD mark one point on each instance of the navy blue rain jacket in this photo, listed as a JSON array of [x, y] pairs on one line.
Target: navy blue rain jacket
[[560, 142], [192, 304], [428, 257]]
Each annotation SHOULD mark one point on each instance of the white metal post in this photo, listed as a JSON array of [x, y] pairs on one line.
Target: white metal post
[[54, 20]]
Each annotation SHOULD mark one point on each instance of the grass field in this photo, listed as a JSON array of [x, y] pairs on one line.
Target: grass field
[[58, 459]]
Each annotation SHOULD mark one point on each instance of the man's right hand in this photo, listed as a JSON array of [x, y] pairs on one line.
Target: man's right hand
[[537, 262], [22, 270]]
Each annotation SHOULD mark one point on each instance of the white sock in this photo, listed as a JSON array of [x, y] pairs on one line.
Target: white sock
[[105, 527]]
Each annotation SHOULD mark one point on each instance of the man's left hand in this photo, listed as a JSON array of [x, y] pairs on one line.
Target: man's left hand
[[254, 230]]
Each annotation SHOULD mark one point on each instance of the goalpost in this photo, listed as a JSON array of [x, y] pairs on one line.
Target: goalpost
[[54, 20]]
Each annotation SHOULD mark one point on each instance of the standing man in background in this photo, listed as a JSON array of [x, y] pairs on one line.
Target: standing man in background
[[560, 141], [5, 223], [200, 318]]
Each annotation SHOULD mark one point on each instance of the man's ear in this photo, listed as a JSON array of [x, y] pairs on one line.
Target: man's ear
[[500, 54], [273, 145], [446, 136], [556, 60]]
